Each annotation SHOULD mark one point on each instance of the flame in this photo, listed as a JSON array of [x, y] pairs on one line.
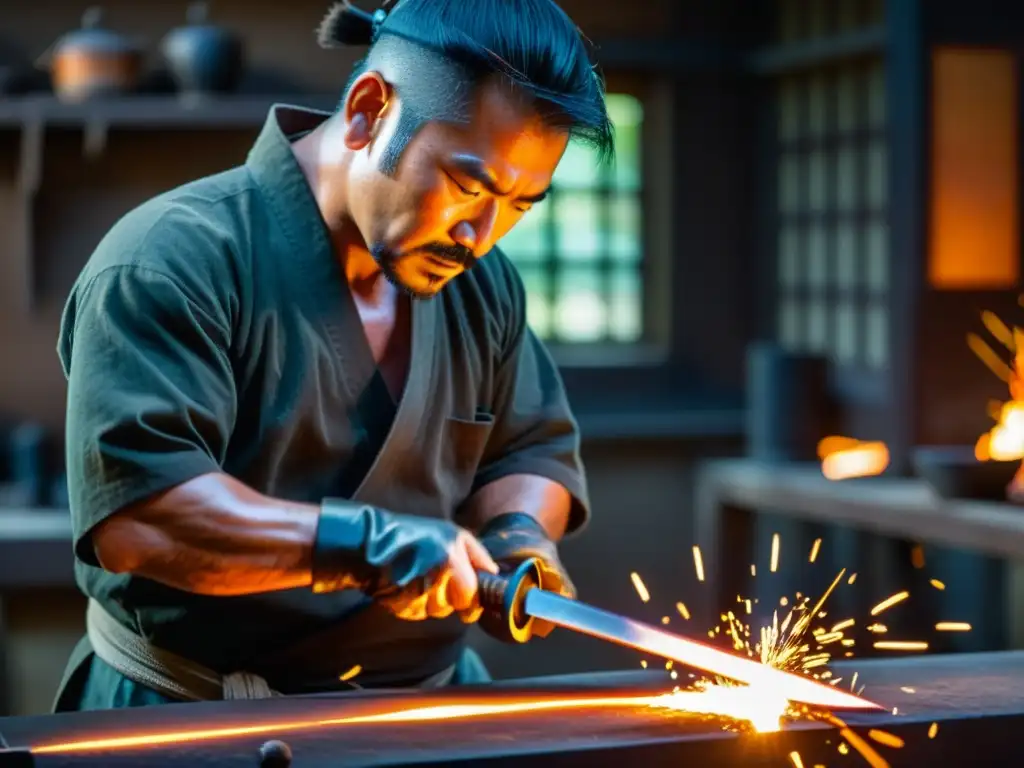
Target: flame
[[1005, 441], [844, 457], [762, 709]]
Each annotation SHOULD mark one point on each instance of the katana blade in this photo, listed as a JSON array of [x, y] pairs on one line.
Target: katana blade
[[583, 618]]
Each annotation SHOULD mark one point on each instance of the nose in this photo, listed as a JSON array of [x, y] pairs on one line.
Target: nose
[[475, 233]]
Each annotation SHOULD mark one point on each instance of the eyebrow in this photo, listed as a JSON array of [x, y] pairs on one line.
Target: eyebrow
[[476, 169]]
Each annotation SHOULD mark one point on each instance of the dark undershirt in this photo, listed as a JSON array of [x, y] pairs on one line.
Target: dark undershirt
[[372, 417]]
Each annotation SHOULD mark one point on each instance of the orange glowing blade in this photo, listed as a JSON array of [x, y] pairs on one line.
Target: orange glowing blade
[[588, 620]]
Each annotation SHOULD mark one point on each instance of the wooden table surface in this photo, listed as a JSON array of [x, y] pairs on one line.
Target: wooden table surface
[[728, 493], [900, 508], [35, 548]]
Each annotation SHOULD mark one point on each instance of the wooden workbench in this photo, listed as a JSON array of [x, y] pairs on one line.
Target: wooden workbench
[[730, 494], [35, 552]]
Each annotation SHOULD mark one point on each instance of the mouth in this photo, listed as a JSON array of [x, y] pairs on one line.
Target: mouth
[[444, 264]]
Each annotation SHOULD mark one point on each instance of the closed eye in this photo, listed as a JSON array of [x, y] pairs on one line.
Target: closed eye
[[461, 188]]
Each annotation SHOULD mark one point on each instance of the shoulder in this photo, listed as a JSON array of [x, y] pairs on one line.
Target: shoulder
[[193, 236]]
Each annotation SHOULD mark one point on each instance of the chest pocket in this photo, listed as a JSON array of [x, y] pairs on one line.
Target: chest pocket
[[464, 444]]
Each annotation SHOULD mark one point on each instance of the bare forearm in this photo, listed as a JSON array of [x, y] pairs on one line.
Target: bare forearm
[[544, 499], [212, 535]]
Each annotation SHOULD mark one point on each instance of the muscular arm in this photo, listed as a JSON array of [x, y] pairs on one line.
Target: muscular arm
[[151, 407], [547, 501], [211, 535]]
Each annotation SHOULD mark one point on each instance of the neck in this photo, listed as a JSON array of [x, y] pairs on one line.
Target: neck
[[325, 161]]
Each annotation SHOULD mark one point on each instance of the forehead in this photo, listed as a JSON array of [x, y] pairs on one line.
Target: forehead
[[504, 128]]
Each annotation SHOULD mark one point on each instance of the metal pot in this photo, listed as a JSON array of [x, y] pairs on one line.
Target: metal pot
[[203, 58], [93, 61]]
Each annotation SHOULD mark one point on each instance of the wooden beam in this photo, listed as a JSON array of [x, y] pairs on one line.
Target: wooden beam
[[780, 59], [906, 83], [670, 58]]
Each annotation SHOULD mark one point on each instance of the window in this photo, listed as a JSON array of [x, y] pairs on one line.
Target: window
[[580, 252], [831, 233]]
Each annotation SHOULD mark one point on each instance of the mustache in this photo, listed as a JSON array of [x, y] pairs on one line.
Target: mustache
[[456, 254]]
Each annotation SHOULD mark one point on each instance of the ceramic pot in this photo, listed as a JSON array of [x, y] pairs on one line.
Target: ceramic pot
[[204, 59], [94, 61]]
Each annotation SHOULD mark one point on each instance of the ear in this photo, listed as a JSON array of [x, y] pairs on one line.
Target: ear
[[365, 106]]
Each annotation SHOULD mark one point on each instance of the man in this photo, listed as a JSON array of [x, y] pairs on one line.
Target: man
[[304, 406]]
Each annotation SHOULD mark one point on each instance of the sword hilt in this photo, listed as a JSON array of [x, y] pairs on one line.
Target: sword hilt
[[502, 598]]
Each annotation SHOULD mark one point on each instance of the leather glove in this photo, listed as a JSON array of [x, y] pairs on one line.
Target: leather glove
[[416, 567], [513, 537]]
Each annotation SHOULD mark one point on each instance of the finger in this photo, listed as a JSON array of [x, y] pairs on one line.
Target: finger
[[479, 556], [462, 588], [438, 606], [409, 603], [412, 610], [471, 615]]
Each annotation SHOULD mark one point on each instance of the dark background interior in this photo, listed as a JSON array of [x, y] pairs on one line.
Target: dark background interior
[[712, 76]]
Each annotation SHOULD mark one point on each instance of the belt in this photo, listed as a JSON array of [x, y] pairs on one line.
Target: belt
[[175, 676]]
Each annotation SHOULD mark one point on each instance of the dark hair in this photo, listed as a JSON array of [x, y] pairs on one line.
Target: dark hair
[[531, 42]]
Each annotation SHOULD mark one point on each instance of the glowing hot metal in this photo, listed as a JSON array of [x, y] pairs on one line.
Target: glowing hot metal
[[588, 620]]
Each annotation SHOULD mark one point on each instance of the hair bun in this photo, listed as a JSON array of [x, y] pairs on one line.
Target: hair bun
[[345, 24]]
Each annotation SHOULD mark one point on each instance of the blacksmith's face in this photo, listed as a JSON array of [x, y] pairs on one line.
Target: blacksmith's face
[[458, 189]]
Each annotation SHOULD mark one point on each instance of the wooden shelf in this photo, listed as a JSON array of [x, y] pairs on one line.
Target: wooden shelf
[[36, 120], [151, 112]]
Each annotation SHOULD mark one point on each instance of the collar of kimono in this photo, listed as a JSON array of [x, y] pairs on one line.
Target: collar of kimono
[[286, 193]]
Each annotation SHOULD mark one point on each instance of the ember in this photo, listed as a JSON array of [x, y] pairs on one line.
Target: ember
[[843, 458]]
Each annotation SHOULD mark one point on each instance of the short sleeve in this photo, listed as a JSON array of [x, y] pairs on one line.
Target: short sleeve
[[535, 432], [151, 398]]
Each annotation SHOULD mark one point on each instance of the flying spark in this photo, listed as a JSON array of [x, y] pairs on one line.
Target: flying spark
[[814, 550], [886, 739], [953, 626], [641, 588], [798, 642], [901, 645], [889, 602], [351, 673], [917, 556]]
